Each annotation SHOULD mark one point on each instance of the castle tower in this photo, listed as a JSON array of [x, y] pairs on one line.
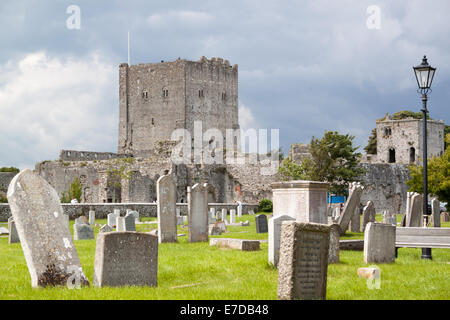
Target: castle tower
[[401, 141], [157, 98]]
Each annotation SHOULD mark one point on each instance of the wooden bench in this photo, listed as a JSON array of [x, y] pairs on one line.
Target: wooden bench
[[422, 238]]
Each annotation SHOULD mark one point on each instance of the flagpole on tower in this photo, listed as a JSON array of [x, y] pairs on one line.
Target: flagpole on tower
[[129, 62]]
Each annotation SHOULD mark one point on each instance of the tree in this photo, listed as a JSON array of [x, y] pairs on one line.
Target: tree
[[446, 132], [438, 176], [75, 191], [371, 147], [333, 159]]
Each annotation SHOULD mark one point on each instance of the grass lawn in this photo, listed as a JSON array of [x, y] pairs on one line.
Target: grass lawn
[[198, 271]]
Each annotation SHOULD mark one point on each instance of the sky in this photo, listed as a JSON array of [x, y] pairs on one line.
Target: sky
[[305, 67]]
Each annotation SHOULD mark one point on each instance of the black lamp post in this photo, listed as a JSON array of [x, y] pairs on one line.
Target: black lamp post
[[424, 76]]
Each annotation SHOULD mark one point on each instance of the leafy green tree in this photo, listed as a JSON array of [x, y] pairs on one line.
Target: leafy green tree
[[371, 147], [265, 205], [9, 169], [333, 159], [446, 132], [438, 171], [75, 191]]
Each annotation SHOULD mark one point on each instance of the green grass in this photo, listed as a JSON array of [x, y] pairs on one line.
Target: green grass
[[198, 271]]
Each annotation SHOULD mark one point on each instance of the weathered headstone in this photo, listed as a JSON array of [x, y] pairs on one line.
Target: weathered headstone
[[261, 223], [379, 243], [239, 210], [111, 218], [368, 214], [126, 259], [46, 240], [13, 236], [302, 269], [79, 220], [117, 212], [239, 244], [305, 201], [274, 238], [349, 208], [166, 191], [436, 212], [389, 218], [134, 213], [445, 217], [120, 224], [408, 202], [92, 218], [212, 216], [83, 232], [355, 221], [130, 223], [224, 214], [232, 216], [415, 216], [105, 228], [333, 252], [214, 230], [198, 212], [221, 225]]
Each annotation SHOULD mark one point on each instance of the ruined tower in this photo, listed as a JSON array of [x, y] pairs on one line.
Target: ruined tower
[[157, 98]]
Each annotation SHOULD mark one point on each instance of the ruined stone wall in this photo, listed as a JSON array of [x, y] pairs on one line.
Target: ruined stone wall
[[5, 179], [73, 155]]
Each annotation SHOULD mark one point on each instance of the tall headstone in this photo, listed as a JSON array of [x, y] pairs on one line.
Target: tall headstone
[[261, 223], [333, 251], [349, 208], [92, 218], [224, 214], [232, 216], [239, 210], [355, 221], [379, 243], [46, 240], [79, 220], [130, 223], [13, 236], [212, 216], [436, 212], [166, 191], [83, 232], [126, 259], [133, 213], [117, 212], [120, 224], [302, 269], [275, 237], [198, 212], [408, 201], [368, 214], [305, 201], [415, 216]]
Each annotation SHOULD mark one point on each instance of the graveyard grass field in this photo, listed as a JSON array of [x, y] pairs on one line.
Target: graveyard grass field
[[193, 271]]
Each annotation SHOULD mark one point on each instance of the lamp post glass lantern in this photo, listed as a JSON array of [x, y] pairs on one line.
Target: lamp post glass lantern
[[424, 75]]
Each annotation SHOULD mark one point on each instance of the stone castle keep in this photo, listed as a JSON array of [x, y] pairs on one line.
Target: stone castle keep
[[157, 98]]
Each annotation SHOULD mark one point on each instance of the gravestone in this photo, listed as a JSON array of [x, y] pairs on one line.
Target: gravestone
[[111, 218], [83, 232], [13, 236], [436, 212], [214, 230], [46, 240], [166, 191], [239, 244], [133, 213], [224, 214], [130, 223], [117, 212], [350, 206], [333, 252], [239, 210], [305, 201], [355, 221], [368, 214], [251, 212], [415, 217], [105, 228], [274, 229], [261, 223], [180, 221], [445, 217], [302, 269], [80, 220], [92, 218], [408, 202], [120, 224], [379, 243], [198, 212], [232, 216], [389, 218], [126, 259], [212, 216]]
